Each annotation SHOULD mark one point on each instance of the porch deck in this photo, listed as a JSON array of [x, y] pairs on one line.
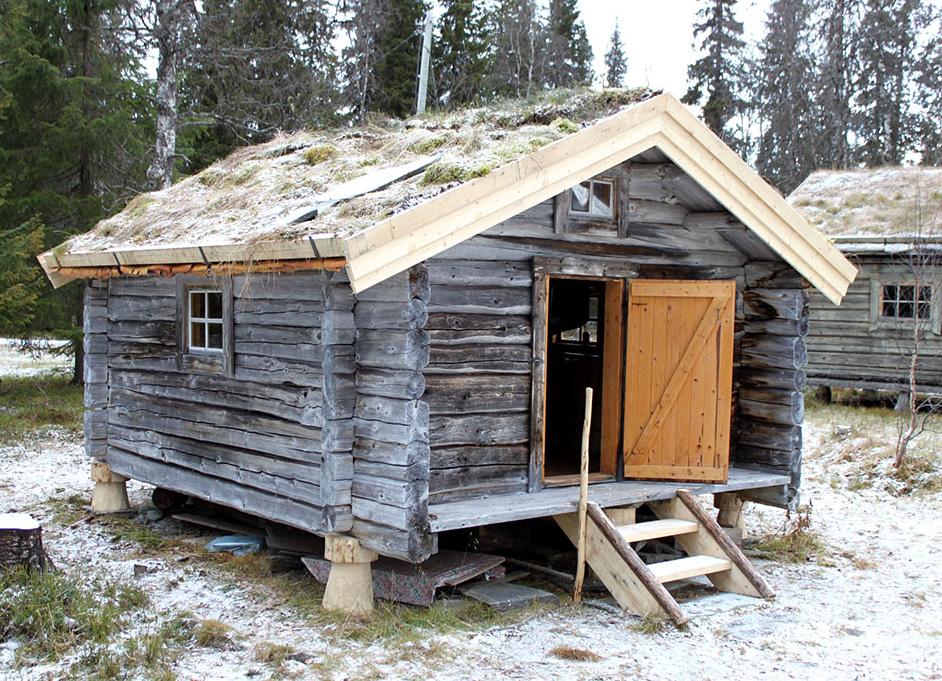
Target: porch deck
[[456, 515]]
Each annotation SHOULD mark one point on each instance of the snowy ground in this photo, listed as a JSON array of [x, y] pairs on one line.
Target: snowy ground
[[869, 609], [15, 362]]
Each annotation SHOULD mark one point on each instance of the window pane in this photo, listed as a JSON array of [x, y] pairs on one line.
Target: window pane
[[215, 304], [215, 336], [197, 335], [905, 310], [889, 308], [924, 310], [925, 293], [571, 335], [592, 331], [593, 308], [580, 197], [197, 306], [601, 199], [907, 293]]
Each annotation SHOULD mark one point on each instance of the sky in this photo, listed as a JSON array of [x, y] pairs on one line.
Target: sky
[[657, 36]]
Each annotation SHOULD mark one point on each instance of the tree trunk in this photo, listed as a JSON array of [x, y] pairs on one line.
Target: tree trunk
[[167, 32], [21, 542]]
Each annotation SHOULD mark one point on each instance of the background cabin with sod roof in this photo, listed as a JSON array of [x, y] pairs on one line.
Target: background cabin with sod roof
[[888, 222], [382, 334]]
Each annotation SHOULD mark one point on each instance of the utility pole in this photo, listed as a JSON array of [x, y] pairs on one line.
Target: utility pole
[[423, 69]]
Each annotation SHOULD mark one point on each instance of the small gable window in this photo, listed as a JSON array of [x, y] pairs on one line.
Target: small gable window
[[205, 320], [593, 198], [906, 301]]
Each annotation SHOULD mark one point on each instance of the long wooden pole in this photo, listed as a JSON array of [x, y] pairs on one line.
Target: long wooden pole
[[583, 498]]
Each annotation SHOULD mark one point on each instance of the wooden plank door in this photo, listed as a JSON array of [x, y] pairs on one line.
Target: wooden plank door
[[678, 382]]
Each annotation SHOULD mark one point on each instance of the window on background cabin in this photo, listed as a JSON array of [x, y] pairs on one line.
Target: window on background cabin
[[205, 320], [588, 333], [906, 301], [593, 198]]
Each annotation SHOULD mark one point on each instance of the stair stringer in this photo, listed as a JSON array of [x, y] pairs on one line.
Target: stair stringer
[[621, 570], [711, 540]]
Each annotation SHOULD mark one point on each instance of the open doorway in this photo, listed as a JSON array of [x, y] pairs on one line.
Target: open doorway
[[583, 349]]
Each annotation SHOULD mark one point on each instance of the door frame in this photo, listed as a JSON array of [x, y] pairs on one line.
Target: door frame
[[613, 358]]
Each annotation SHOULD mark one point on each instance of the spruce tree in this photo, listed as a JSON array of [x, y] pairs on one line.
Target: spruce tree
[[786, 153], [717, 79], [260, 66], [929, 94], [838, 31], [883, 120], [76, 129], [519, 39], [460, 54], [616, 64], [363, 22], [568, 52], [396, 69]]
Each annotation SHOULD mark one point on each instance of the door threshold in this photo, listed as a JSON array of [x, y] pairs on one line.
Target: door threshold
[[573, 479]]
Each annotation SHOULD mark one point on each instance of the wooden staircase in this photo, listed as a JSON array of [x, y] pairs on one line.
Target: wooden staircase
[[639, 587]]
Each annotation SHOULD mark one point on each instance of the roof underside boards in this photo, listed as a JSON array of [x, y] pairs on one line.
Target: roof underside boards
[[892, 202], [656, 129], [661, 122]]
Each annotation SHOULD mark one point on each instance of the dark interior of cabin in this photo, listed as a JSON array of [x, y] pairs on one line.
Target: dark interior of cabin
[[574, 362]]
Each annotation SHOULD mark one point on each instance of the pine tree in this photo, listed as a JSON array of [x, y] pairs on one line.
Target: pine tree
[[717, 79], [786, 153], [616, 64], [568, 52], [838, 31], [519, 37], [883, 120], [363, 23], [396, 69], [460, 54]]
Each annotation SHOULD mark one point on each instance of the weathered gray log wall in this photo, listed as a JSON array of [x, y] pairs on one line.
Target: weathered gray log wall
[[391, 455], [771, 381], [850, 347], [261, 438], [95, 370]]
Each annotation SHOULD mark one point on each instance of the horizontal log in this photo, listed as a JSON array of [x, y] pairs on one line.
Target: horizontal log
[[305, 313], [477, 479], [457, 329], [480, 429], [471, 300], [411, 496], [763, 456], [413, 545], [783, 352], [481, 393], [409, 473], [392, 349], [773, 275], [787, 379], [383, 315], [480, 359], [393, 433], [785, 414], [457, 457], [770, 435], [403, 384], [762, 303], [413, 413], [777, 327], [415, 452], [487, 273]]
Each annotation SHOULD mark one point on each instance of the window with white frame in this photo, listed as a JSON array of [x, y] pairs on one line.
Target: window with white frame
[[205, 320], [906, 301], [593, 198]]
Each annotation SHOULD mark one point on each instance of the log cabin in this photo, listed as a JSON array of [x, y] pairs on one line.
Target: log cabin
[[888, 221], [382, 334]]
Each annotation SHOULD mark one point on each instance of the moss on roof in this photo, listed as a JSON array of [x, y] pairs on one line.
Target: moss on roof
[[249, 195], [889, 202]]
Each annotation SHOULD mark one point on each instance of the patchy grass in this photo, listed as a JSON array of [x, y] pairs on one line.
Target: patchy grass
[[53, 613], [151, 651], [68, 510], [565, 125], [212, 634], [132, 531], [273, 654], [796, 543], [650, 624], [319, 153], [445, 173], [574, 654], [428, 145], [32, 403]]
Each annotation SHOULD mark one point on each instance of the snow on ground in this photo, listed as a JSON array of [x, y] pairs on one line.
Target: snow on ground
[[16, 362], [870, 610]]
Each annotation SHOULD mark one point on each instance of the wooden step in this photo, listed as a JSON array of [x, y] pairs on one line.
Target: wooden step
[[692, 566], [654, 529]]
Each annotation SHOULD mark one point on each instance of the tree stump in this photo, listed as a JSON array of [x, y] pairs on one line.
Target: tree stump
[[21, 542]]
